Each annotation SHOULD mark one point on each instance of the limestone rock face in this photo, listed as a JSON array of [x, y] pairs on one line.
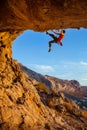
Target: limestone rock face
[[41, 15], [17, 16], [6, 39], [22, 106]]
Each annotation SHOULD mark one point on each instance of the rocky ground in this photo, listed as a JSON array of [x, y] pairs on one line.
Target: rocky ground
[[30, 105]]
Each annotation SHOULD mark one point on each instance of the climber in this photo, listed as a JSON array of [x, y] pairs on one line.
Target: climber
[[56, 39]]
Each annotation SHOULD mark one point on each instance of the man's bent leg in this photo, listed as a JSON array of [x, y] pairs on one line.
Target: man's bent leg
[[50, 45], [51, 35]]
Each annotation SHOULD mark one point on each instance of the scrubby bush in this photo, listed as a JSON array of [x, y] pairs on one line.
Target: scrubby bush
[[42, 87], [68, 106], [84, 113]]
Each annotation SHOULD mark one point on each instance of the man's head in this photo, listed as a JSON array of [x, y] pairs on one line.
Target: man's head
[[63, 31]]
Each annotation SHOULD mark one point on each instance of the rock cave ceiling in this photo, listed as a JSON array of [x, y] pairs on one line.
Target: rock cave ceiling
[[42, 15]]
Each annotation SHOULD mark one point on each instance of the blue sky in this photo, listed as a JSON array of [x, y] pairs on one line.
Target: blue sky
[[65, 62]]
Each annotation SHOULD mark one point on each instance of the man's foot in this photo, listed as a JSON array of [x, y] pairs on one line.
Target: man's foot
[[49, 50]]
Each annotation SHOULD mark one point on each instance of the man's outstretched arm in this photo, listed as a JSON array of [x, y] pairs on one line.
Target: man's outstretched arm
[[56, 33]]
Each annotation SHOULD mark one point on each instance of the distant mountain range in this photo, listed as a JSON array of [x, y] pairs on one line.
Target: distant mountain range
[[71, 87]]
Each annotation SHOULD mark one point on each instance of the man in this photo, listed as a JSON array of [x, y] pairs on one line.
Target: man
[[56, 39]]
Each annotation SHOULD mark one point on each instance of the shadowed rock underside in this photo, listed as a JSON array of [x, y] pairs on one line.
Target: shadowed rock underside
[[22, 105]]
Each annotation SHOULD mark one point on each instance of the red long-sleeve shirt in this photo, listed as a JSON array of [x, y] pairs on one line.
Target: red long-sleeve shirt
[[61, 36]]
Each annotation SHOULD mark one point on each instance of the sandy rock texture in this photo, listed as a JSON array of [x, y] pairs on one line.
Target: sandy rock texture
[[22, 105], [42, 15]]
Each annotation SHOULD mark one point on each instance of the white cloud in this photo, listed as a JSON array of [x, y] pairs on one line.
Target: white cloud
[[44, 68], [84, 79], [83, 63], [65, 70]]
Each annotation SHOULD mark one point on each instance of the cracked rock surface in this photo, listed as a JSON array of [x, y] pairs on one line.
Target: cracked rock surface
[[22, 105]]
